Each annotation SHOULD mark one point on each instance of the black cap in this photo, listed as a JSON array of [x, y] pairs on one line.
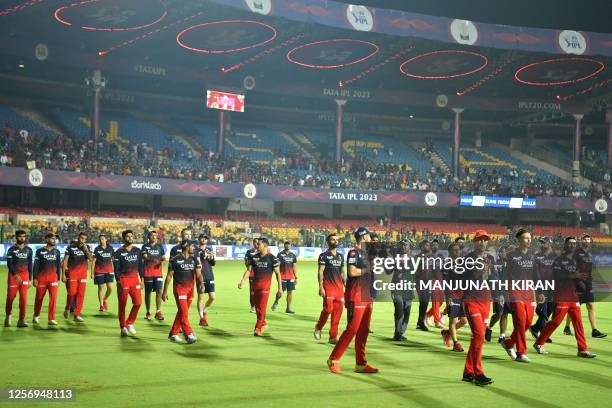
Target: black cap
[[360, 232]]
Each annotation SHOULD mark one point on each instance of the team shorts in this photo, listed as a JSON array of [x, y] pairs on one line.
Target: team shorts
[[288, 285], [456, 308], [208, 287], [498, 308], [103, 278], [153, 283]]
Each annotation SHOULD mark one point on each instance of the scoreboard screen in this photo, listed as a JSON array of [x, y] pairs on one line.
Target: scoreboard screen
[[225, 101]]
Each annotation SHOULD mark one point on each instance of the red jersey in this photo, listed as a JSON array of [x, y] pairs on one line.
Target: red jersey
[[104, 259], [358, 288], [333, 281], [287, 261], [77, 262], [263, 268], [155, 257]]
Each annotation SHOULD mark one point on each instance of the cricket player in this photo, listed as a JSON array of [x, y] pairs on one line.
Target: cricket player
[[153, 257], [47, 273], [102, 271], [130, 280], [207, 261], [454, 302], [74, 271], [288, 270], [249, 272], [331, 288], [19, 263]]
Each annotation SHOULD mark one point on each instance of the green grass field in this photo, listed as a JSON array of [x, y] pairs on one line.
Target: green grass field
[[286, 367]]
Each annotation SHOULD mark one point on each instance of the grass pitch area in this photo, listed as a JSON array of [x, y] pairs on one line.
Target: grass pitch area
[[286, 367]]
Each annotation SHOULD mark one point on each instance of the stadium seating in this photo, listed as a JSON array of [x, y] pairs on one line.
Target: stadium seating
[[19, 122]]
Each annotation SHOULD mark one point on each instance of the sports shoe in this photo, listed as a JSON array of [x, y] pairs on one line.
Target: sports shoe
[[52, 323], [274, 305], [488, 334], [203, 321], [317, 334], [78, 319], [191, 338], [21, 324], [598, 335], [442, 319], [67, 313], [101, 309], [586, 354], [131, 329], [439, 325], [522, 359], [124, 332], [422, 327], [332, 341], [366, 369], [7, 321], [501, 338], [175, 338], [257, 332], [148, 316], [468, 378], [334, 367], [159, 316], [535, 333], [483, 380], [446, 338], [263, 328], [510, 350], [567, 331], [540, 349], [105, 305], [289, 311], [252, 309], [429, 321], [35, 320], [549, 340], [458, 347], [399, 337]]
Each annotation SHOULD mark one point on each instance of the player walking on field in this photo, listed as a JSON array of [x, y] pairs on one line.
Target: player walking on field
[[47, 273], [19, 263], [248, 272], [74, 271], [454, 302], [207, 261], [331, 289], [288, 272], [102, 271], [130, 280], [153, 257]]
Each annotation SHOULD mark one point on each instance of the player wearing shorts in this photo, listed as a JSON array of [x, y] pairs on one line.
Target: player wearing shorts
[[129, 272], [207, 260], [19, 263], [153, 257], [544, 263], [249, 272], [331, 288], [102, 271], [454, 303], [288, 271], [433, 317], [47, 273], [74, 272], [501, 308], [423, 274]]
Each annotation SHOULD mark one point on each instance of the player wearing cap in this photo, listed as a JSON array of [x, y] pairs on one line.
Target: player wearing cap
[[584, 261], [520, 268], [433, 317], [567, 274], [288, 272], [74, 271], [19, 263], [359, 307], [249, 272], [47, 273], [102, 271], [207, 260], [476, 305], [422, 275], [153, 256], [454, 302], [128, 265], [184, 269], [544, 268], [402, 299], [501, 308], [331, 288]]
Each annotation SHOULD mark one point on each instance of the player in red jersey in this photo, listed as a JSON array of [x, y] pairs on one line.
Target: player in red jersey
[[74, 271], [567, 274], [47, 273], [476, 305], [358, 297], [264, 265], [249, 272], [19, 262], [288, 272], [331, 288], [102, 271], [454, 302], [520, 267], [207, 260], [130, 280], [153, 258], [184, 269]]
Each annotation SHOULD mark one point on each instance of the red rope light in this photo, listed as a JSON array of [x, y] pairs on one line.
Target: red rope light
[[19, 7], [585, 91], [375, 67], [182, 44], [312, 44], [263, 54], [571, 81], [484, 64]]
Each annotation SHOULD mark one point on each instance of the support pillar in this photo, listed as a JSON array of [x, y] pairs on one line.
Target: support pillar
[[339, 124], [457, 141], [577, 147], [221, 140]]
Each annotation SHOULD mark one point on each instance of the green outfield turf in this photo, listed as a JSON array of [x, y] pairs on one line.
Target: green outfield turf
[[286, 367]]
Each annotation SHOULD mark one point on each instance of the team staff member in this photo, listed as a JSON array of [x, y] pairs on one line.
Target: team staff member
[[19, 263], [130, 280], [567, 274], [185, 269], [263, 265], [102, 271], [544, 268], [432, 317], [207, 260], [476, 305], [331, 288], [249, 272], [74, 271], [359, 307], [501, 308], [47, 273], [288, 272], [454, 302], [153, 257], [520, 267], [402, 299], [423, 274]]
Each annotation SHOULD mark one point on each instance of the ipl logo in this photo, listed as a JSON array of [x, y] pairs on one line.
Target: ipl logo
[[464, 32], [572, 42], [360, 18], [259, 6], [35, 177], [250, 191]]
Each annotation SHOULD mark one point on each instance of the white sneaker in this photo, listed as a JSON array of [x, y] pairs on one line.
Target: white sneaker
[[66, 313], [429, 321], [35, 320], [540, 349], [523, 359], [124, 332], [511, 351], [443, 319], [252, 310], [131, 329], [317, 334], [191, 339], [52, 323], [78, 319], [175, 338], [586, 354], [7, 321]]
